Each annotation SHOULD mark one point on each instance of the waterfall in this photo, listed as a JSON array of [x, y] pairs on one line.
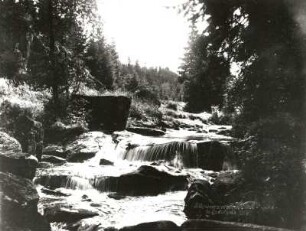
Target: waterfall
[[75, 182], [185, 151], [63, 181]]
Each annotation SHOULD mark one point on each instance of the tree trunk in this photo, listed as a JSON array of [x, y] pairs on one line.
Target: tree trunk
[[53, 75]]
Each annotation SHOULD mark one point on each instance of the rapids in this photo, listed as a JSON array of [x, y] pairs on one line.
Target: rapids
[[174, 153]]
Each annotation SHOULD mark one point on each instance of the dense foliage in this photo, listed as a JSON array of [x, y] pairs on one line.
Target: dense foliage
[[265, 40], [204, 72], [162, 82], [59, 45]]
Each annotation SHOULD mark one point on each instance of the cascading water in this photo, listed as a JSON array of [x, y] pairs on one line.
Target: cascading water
[[185, 152], [91, 185], [75, 182]]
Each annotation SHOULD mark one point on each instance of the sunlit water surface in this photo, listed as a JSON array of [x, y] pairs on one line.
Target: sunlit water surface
[[128, 210]]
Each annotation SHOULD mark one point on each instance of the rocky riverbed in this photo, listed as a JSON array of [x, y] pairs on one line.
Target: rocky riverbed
[[143, 178]]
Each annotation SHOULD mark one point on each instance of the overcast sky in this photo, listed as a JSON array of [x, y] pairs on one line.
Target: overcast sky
[[146, 30]]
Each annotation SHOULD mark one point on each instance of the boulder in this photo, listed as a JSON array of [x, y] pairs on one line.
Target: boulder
[[9, 144], [53, 159], [19, 200], [79, 156], [226, 199], [17, 120], [211, 155], [30, 134], [59, 133], [146, 131], [106, 113], [199, 225], [106, 162], [156, 226], [146, 180], [85, 146], [199, 197], [13, 160], [54, 192], [64, 213], [55, 150], [116, 196]]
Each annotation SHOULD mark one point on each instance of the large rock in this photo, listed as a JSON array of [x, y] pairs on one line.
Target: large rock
[[146, 180], [202, 196], [85, 146], [19, 200], [199, 197], [54, 192], [201, 225], [212, 155], [30, 134], [64, 213], [17, 120], [226, 199], [13, 160], [109, 113], [105, 162], [55, 150], [156, 226]]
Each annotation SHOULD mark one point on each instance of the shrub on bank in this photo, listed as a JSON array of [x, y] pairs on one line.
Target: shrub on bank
[[24, 96], [145, 111], [271, 158], [18, 101]]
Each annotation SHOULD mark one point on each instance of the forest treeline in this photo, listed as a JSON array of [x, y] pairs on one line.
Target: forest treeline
[[249, 61], [60, 45]]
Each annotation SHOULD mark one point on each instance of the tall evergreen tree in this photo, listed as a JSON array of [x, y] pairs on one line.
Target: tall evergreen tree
[[266, 39], [205, 72]]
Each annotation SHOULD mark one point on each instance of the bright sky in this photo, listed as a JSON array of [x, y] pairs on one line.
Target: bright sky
[[145, 30]]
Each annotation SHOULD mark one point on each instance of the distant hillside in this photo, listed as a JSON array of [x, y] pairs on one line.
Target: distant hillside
[[163, 82]]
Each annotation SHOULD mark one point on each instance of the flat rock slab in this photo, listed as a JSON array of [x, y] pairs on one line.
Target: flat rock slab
[[53, 159], [146, 180], [86, 146], [63, 213], [146, 131], [54, 192], [55, 150], [156, 226]]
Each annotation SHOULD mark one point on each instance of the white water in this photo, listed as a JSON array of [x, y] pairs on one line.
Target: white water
[[129, 210]]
